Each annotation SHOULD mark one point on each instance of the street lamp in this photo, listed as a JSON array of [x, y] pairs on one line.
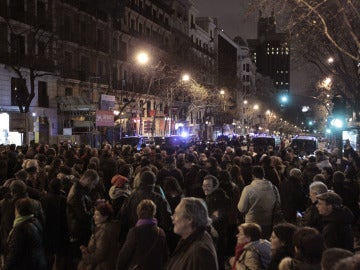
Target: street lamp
[[185, 78], [222, 93], [142, 58], [330, 60]]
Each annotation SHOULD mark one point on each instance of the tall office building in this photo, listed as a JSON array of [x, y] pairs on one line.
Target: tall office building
[[271, 52]]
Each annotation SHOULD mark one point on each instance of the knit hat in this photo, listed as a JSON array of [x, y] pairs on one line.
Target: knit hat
[[119, 180], [285, 232], [330, 197]]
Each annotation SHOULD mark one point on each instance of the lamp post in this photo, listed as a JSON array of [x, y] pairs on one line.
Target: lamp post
[[222, 93]]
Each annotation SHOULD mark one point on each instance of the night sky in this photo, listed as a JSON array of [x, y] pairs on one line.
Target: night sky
[[231, 15], [234, 19]]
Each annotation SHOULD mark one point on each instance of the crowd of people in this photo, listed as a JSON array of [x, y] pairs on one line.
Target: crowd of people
[[77, 207]]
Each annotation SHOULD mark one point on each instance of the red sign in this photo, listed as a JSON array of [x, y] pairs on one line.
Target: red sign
[[104, 119]]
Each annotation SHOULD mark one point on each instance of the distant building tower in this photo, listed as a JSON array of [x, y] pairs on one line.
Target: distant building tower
[[271, 52]]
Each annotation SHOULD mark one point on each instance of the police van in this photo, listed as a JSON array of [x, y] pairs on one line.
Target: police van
[[304, 145]]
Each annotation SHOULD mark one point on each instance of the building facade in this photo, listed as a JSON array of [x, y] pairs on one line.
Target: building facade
[[59, 59], [271, 52]]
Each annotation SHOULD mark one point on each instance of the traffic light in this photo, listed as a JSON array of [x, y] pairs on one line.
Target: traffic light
[[283, 98], [337, 119], [337, 122]]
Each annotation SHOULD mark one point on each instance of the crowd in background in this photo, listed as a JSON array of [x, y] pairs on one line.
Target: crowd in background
[[216, 207]]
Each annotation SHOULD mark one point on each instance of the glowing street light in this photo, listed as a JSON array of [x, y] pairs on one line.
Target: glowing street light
[[185, 78], [256, 107], [326, 83], [330, 60], [142, 58], [222, 93]]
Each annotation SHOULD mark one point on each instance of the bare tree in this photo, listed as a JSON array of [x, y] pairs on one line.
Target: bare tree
[[29, 40], [321, 29]]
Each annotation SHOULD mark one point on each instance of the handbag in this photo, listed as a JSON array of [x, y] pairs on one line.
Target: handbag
[[278, 216], [138, 265]]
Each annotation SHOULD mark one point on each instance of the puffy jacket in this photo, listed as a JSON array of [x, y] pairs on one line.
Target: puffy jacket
[[26, 249]]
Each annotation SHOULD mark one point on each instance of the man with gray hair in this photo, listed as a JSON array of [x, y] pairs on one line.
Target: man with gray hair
[[195, 250], [311, 215]]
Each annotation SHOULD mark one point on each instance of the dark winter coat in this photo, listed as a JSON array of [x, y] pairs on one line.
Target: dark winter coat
[[26, 250], [109, 169], [163, 211], [312, 218], [145, 245], [218, 204], [103, 247], [337, 231], [271, 175], [292, 198], [56, 234], [7, 216], [79, 212], [197, 252]]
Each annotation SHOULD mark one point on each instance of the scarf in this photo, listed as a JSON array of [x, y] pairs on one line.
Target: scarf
[[18, 220], [239, 249], [146, 221]]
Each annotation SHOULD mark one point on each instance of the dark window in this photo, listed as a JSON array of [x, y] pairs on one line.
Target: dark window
[[68, 66], [114, 46], [18, 90], [41, 49], [132, 25], [83, 32], [17, 45], [148, 107], [43, 97], [68, 92], [123, 50], [41, 11], [67, 27], [100, 38], [114, 76], [17, 9], [84, 68], [100, 68]]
